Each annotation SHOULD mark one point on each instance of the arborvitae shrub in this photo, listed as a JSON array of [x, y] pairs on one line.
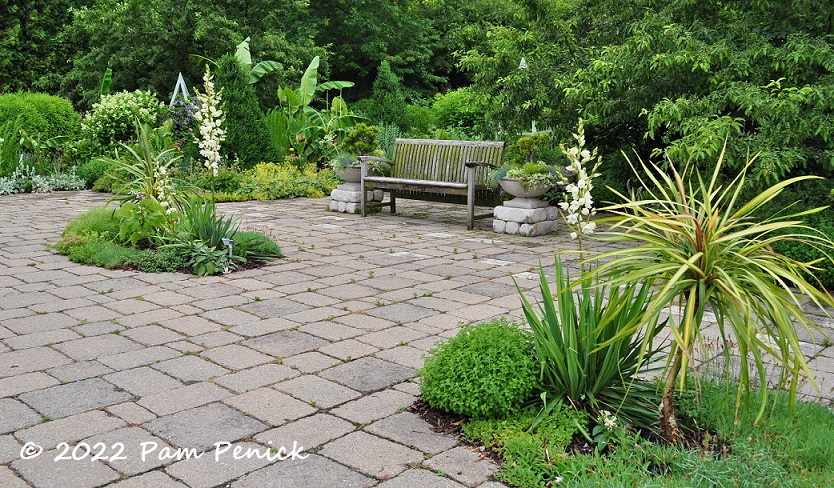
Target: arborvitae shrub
[[247, 139]]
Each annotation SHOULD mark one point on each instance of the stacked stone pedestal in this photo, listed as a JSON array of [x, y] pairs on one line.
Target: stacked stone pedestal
[[347, 197], [525, 216]]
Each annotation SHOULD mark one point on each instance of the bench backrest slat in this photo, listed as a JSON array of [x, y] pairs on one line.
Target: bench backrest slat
[[441, 160]]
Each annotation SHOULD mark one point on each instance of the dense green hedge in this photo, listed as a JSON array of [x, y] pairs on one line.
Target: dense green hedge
[[40, 114]]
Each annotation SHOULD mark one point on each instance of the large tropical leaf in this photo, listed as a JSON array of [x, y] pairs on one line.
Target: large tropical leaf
[[262, 69]]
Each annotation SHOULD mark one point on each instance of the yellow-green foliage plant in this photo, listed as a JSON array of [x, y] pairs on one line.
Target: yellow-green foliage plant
[[704, 247]]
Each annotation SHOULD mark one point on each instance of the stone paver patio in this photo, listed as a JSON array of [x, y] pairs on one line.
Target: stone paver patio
[[319, 349]]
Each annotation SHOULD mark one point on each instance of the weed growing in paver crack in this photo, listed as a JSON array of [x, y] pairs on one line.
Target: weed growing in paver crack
[[313, 403], [294, 366], [371, 274], [402, 343], [401, 410], [428, 294], [390, 251], [474, 255], [30, 264], [352, 280], [361, 256], [345, 308], [349, 358], [294, 328], [379, 303], [310, 289], [826, 342], [455, 251], [447, 277], [115, 332], [46, 418], [140, 298], [257, 298]]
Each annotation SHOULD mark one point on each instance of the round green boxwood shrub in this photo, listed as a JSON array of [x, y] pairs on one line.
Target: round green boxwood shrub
[[486, 371], [113, 119], [41, 115]]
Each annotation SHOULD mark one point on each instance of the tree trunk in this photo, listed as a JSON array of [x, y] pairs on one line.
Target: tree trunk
[[668, 423]]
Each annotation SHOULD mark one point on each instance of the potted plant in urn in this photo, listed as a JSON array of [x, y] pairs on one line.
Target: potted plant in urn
[[522, 175], [361, 141]]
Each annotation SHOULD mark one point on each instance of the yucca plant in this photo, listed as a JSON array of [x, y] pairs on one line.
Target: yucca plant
[[583, 357], [704, 247]]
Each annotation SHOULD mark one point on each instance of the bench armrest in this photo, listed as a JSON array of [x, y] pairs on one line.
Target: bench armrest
[[374, 158], [473, 164]]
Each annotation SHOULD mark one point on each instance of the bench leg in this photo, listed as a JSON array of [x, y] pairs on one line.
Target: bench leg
[[470, 198], [364, 200], [393, 198]]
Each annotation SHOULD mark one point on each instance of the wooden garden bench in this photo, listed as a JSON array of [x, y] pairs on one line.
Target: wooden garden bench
[[438, 171]]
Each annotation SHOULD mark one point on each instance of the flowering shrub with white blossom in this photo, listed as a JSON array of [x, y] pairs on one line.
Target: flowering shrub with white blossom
[[579, 204], [114, 119], [210, 117]]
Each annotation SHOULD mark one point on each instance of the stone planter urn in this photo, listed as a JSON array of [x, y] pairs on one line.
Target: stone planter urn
[[525, 214], [515, 189], [350, 175]]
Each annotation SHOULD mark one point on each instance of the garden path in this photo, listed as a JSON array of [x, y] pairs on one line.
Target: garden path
[[318, 349]]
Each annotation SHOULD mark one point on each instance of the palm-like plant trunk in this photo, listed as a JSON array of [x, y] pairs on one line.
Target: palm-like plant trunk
[[668, 422]]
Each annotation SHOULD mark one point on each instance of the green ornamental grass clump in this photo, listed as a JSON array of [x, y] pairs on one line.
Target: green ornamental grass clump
[[485, 371]]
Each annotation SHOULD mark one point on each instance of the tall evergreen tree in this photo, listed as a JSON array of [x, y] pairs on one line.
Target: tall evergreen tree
[[389, 103], [247, 139]]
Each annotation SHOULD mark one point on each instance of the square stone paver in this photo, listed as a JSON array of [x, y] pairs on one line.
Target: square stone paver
[[310, 432], [422, 478], [368, 374], [305, 473], [8, 479], [311, 388], [15, 415], [285, 343], [69, 429], [43, 471], [310, 362], [79, 371], [218, 466], [401, 312], [200, 428], [72, 398], [409, 429], [15, 385], [10, 449], [143, 381], [250, 379], [152, 335], [348, 350], [331, 331], [374, 406], [134, 440], [270, 406], [372, 455], [190, 368], [236, 357], [141, 357], [156, 479], [391, 337], [461, 465], [28, 360], [179, 399]]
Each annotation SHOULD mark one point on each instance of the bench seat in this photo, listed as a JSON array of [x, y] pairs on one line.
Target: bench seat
[[437, 170]]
